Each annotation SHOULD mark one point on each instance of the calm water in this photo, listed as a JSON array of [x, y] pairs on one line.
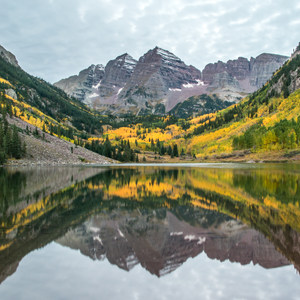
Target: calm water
[[150, 232]]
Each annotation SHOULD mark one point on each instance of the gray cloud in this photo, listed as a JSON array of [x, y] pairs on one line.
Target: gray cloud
[[56, 38]]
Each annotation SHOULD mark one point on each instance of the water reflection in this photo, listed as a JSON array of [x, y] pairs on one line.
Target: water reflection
[[154, 216]]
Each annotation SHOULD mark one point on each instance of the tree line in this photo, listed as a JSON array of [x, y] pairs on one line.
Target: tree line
[[121, 152], [161, 149], [283, 135], [11, 145]]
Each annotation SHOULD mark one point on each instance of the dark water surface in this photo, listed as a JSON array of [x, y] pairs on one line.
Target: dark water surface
[[218, 231]]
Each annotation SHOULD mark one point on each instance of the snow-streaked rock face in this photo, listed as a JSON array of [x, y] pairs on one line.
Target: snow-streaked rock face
[[117, 72], [157, 73], [160, 80], [81, 86], [140, 86]]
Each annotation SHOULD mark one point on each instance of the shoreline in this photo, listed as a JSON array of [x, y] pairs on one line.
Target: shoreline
[[282, 157], [178, 163]]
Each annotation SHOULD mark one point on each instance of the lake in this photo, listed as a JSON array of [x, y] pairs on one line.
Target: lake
[[196, 231]]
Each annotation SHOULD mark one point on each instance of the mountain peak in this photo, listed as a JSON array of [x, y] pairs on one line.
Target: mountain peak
[[93, 68], [99, 67], [124, 55], [126, 60], [165, 54], [270, 57]]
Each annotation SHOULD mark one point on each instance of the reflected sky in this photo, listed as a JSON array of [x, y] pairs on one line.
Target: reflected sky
[[57, 272]]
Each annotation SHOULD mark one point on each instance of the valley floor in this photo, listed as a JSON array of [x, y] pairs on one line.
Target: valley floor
[[49, 150]]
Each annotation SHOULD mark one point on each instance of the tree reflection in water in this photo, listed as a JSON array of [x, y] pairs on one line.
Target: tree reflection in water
[[155, 216]]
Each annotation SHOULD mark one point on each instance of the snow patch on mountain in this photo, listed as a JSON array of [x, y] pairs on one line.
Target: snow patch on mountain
[[93, 95], [191, 85], [166, 54], [120, 90], [174, 90], [97, 85]]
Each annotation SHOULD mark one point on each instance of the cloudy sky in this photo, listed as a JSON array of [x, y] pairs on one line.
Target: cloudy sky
[[54, 39]]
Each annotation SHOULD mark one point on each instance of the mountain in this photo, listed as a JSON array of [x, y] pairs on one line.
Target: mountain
[[159, 80], [149, 85], [158, 73], [81, 85], [117, 73], [265, 121], [237, 78]]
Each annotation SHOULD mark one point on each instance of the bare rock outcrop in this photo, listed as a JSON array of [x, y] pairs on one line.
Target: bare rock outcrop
[[8, 56]]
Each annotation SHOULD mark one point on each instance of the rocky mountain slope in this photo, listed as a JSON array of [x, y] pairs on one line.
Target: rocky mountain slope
[[51, 124], [117, 73], [195, 105], [46, 149], [36, 92], [80, 86], [158, 73], [239, 77], [8, 57], [159, 80]]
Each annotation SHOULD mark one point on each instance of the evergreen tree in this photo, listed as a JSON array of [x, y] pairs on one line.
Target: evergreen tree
[[127, 153], [175, 150], [16, 144], [162, 150], [1, 136], [182, 152], [4, 112], [2, 156], [7, 143], [152, 145], [157, 145], [59, 131], [119, 156], [9, 110], [107, 148]]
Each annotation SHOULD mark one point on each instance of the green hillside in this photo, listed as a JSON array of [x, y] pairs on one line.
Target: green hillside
[[267, 120], [50, 100], [199, 105]]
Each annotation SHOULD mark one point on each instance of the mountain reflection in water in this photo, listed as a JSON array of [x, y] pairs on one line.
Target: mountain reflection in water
[[157, 217]]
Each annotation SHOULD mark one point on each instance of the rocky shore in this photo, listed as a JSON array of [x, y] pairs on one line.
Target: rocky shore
[[50, 150]]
